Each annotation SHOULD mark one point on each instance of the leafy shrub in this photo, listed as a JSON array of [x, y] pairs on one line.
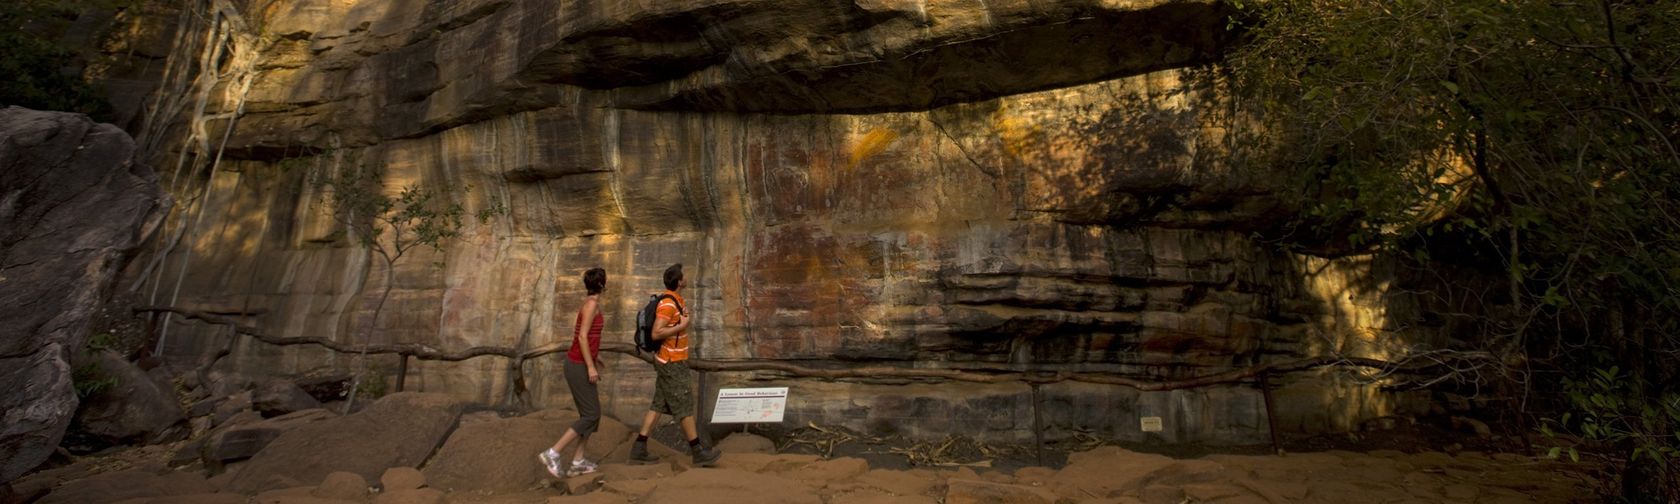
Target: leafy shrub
[[1612, 410]]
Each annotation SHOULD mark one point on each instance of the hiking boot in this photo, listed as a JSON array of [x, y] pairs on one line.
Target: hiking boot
[[581, 467], [639, 454], [705, 456], [551, 460]]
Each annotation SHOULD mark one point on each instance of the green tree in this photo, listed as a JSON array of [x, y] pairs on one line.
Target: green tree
[[389, 226], [39, 72], [1535, 138]]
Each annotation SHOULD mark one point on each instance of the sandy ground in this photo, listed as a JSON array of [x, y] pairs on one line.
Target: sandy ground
[[749, 473]]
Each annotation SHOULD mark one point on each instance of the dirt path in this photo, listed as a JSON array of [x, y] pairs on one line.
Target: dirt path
[[748, 474]]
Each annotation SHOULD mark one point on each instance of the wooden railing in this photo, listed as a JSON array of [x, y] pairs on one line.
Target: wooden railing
[[1257, 374]]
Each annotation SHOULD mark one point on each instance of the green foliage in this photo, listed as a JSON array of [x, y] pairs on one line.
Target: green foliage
[[390, 225], [1529, 116], [1610, 408], [1536, 139], [89, 379], [298, 163], [372, 385], [107, 340], [35, 67]]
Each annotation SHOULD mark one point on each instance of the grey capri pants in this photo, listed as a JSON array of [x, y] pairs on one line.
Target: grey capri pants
[[586, 397]]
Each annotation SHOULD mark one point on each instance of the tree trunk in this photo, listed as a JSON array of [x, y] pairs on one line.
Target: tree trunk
[[367, 334]]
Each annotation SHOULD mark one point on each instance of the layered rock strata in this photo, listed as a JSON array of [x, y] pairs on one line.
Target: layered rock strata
[[998, 185]]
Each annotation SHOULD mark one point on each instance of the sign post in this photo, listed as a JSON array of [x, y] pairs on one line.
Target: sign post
[[750, 405]]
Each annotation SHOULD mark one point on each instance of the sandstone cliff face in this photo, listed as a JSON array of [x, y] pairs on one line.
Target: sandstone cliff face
[[999, 185]]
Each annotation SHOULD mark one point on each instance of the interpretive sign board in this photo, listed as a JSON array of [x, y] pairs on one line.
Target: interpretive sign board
[[750, 405], [1151, 424]]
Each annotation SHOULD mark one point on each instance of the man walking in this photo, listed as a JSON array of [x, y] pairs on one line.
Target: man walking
[[672, 394]]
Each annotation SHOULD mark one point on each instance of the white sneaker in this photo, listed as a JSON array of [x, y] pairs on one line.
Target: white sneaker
[[551, 460], [581, 467]]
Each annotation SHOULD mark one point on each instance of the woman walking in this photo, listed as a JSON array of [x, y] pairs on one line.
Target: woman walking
[[582, 370]]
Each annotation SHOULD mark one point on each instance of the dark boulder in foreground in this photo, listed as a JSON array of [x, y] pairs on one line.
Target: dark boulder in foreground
[[73, 207]]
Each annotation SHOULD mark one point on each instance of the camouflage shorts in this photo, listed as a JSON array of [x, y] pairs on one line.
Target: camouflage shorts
[[673, 392]]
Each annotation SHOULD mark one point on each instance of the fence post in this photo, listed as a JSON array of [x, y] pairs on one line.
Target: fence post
[[702, 427], [402, 370], [1038, 423], [151, 349], [1271, 416]]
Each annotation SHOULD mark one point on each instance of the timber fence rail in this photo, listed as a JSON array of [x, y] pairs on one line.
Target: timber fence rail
[[426, 352], [1258, 374]]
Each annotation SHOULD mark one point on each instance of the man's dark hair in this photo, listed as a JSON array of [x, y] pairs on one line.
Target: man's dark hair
[[673, 275], [595, 280]]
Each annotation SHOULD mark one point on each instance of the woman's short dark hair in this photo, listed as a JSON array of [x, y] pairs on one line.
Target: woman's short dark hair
[[595, 280], [673, 275]]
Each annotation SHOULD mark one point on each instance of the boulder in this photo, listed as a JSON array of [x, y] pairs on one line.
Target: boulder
[[292, 493], [612, 437], [634, 490], [730, 486], [963, 491], [399, 430], [37, 413], [897, 482], [133, 409], [626, 472], [243, 441], [240, 418], [741, 442], [1036, 476], [189, 453], [877, 497], [160, 372], [1106, 471], [1471, 425], [401, 478], [277, 397], [664, 453], [591, 498], [231, 406], [194, 393], [206, 498], [1210, 492], [824, 471], [342, 485], [325, 384], [127, 484], [410, 496], [36, 485], [204, 407], [223, 384], [1184, 472], [73, 206], [755, 462], [495, 455], [579, 485]]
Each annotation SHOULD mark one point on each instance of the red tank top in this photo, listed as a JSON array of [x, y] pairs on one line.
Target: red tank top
[[576, 353]]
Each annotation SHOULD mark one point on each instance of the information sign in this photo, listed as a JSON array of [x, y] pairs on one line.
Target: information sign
[[750, 405]]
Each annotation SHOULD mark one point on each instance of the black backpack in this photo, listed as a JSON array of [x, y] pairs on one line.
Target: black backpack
[[644, 323]]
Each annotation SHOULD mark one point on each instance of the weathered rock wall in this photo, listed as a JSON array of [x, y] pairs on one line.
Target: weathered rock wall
[[998, 185]]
